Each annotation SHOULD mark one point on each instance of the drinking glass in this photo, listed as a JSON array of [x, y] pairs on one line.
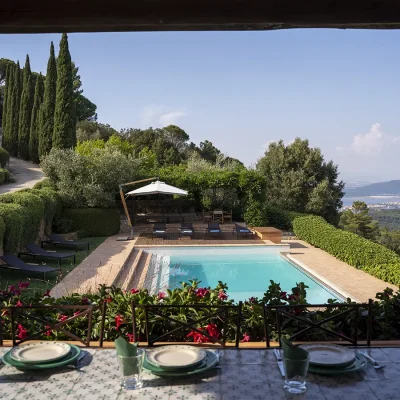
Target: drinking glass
[[131, 370], [295, 374]]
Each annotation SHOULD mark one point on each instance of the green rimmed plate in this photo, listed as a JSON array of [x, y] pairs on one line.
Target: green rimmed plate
[[359, 363], [207, 364], [69, 359]]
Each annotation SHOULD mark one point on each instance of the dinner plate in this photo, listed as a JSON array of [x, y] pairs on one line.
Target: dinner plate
[[174, 357], [329, 355], [68, 359], [359, 363], [208, 363], [40, 352]]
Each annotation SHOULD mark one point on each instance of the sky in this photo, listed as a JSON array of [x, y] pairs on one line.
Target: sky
[[242, 90]]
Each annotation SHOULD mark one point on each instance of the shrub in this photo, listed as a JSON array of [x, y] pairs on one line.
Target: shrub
[[45, 183], [93, 221], [32, 212], [4, 176], [279, 218], [2, 231], [361, 253], [4, 157], [12, 215]]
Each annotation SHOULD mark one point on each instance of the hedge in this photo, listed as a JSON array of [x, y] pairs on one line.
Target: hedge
[[279, 218], [93, 221], [361, 253], [46, 183], [12, 215], [4, 157], [4, 176], [2, 231]]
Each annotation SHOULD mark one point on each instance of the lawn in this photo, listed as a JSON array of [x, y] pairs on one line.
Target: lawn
[[12, 277]]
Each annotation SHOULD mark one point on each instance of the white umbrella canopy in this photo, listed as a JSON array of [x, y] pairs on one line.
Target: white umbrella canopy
[[157, 187]]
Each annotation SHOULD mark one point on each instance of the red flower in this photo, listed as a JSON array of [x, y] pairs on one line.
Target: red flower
[[18, 304], [246, 338], [118, 321], [77, 313], [291, 297], [133, 291], [11, 288], [47, 293], [252, 299], [85, 300], [48, 332], [22, 333], [62, 317], [108, 299], [283, 295], [212, 330], [161, 295], [131, 337], [23, 285], [201, 292], [222, 295], [197, 337]]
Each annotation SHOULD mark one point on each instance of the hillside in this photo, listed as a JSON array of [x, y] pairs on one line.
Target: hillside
[[374, 189], [387, 218]]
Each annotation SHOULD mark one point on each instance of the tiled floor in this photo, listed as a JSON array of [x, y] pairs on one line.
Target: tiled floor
[[243, 375]]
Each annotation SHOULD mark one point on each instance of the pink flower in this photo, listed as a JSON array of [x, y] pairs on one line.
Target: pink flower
[[85, 300], [118, 321], [201, 292], [11, 288], [161, 295], [48, 332], [47, 293], [23, 285], [222, 295], [22, 333], [133, 291], [62, 317], [252, 299], [246, 338], [18, 304], [77, 313], [283, 295], [131, 338]]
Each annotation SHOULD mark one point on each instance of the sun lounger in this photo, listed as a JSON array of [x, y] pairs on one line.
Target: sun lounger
[[239, 229], [36, 251], [58, 239], [213, 228], [13, 262], [186, 229], [159, 229]]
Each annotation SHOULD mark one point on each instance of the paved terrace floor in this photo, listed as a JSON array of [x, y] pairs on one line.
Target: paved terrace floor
[[341, 276]]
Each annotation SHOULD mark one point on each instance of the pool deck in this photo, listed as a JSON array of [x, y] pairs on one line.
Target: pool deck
[[105, 263], [341, 276]]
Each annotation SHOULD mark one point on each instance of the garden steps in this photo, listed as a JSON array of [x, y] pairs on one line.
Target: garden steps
[[101, 267], [128, 270], [139, 276]]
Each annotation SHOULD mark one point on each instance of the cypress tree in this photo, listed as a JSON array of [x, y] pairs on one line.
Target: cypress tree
[[33, 138], [25, 112], [46, 120], [13, 112], [8, 116], [5, 103], [64, 135]]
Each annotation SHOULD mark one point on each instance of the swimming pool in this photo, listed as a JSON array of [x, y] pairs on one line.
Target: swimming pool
[[247, 270]]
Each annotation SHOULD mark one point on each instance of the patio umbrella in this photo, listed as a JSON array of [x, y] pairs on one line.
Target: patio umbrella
[[157, 188]]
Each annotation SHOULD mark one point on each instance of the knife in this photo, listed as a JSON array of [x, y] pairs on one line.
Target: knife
[[278, 357]]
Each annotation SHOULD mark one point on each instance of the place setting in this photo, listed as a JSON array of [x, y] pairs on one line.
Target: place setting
[[164, 361], [43, 355]]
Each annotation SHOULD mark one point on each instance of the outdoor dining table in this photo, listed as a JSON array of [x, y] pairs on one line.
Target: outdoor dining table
[[243, 374]]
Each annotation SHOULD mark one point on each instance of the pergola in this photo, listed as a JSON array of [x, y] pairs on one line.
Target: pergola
[[41, 16]]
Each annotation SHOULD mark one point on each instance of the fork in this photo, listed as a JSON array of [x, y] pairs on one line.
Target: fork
[[373, 362]]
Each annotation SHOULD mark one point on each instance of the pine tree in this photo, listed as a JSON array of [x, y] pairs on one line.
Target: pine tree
[[25, 112], [13, 112], [35, 121], [5, 104], [64, 116], [46, 120]]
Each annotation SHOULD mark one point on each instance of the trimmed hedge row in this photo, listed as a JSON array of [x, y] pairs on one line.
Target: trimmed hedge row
[[4, 176], [92, 221], [361, 253], [279, 218], [4, 157]]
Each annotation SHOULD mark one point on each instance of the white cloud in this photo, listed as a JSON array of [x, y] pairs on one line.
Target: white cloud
[[159, 115], [370, 143]]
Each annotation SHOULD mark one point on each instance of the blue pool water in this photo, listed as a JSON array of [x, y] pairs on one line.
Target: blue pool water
[[246, 270]]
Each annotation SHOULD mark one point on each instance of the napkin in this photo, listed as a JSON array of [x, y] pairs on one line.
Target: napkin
[[126, 349], [293, 352]]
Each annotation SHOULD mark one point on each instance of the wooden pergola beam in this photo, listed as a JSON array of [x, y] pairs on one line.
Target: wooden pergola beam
[[42, 16]]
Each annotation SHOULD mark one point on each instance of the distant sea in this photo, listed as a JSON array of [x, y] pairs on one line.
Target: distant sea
[[348, 201]]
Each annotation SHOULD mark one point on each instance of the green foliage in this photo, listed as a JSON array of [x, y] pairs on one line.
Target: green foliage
[[88, 130], [299, 179], [93, 221], [387, 218], [45, 183], [208, 151], [64, 135], [115, 142], [390, 239], [35, 122], [348, 247], [3, 103], [13, 112], [4, 176], [357, 220], [25, 113], [90, 180], [46, 120], [12, 216], [4, 157], [253, 214], [2, 232], [85, 109]]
